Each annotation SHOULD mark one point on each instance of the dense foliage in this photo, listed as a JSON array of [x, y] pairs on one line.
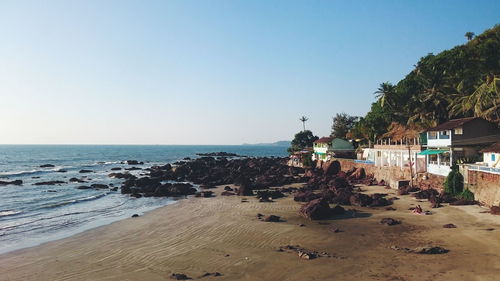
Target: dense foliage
[[341, 124], [461, 82], [302, 140], [454, 183]]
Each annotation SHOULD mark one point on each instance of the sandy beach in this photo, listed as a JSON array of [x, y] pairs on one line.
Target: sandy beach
[[223, 234]]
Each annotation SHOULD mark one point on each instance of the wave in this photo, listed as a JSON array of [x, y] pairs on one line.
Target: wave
[[56, 169], [5, 213], [74, 201]]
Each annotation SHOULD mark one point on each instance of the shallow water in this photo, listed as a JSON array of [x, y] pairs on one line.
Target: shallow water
[[32, 214]]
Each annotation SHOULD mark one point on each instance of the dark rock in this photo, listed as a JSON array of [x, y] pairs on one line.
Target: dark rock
[[205, 194], [48, 183], [51, 190], [430, 250], [14, 182], [337, 210], [99, 186], [426, 194], [316, 209], [272, 194], [463, 202], [76, 180], [271, 218], [360, 199], [227, 193], [495, 210], [390, 209], [219, 154], [306, 196], [61, 171], [84, 187], [122, 176], [358, 174], [85, 171], [213, 274], [449, 225], [133, 169], [136, 195], [331, 168], [389, 221], [179, 276], [133, 162], [228, 188], [47, 166], [135, 215], [116, 169]]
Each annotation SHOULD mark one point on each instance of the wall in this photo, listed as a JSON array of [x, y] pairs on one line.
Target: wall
[[389, 174], [485, 186]]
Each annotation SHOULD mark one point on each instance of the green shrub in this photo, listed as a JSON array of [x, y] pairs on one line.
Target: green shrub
[[467, 195], [454, 183]]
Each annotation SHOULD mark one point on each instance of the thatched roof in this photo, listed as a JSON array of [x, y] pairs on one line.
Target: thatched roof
[[399, 132]]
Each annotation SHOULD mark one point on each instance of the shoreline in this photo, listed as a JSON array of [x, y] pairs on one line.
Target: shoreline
[[222, 234]]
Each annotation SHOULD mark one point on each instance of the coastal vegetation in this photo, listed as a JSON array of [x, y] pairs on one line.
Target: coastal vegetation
[[460, 82], [302, 140]]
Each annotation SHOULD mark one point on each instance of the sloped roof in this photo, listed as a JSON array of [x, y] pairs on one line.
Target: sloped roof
[[492, 148], [324, 140], [340, 144], [452, 124]]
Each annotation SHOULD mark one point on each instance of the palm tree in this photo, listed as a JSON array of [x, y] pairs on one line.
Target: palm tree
[[386, 94], [483, 102], [303, 119], [469, 35]]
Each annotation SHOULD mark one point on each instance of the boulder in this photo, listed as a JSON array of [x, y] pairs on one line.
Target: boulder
[[116, 169], [359, 173], [227, 193], [316, 209], [360, 199], [495, 210], [331, 168], [14, 182], [449, 225], [463, 202], [47, 166]]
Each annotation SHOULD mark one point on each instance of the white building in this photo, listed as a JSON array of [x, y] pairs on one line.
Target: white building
[[456, 140]]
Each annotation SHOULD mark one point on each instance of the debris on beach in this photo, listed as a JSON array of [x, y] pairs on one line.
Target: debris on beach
[[179, 276], [419, 211], [213, 274], [304, 253], [449, 225], [427, 250], [335, 230], [390, 221]]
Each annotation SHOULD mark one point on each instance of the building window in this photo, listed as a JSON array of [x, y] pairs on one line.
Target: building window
[[459, 131], [432, 135], [433, 159], [493, 157], [444, 135], [445, 159]]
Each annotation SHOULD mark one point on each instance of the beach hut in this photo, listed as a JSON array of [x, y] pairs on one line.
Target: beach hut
[[328, 147]]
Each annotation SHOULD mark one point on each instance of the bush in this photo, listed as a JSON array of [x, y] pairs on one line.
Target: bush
[[454, 183], [467, 195]]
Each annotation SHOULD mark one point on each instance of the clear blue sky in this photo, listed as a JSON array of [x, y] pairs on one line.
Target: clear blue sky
[[209, 72]]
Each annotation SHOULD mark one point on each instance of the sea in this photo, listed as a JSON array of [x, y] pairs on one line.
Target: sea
[[33, 214]]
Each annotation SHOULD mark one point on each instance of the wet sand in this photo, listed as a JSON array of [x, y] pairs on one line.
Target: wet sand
[[222, 234]]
